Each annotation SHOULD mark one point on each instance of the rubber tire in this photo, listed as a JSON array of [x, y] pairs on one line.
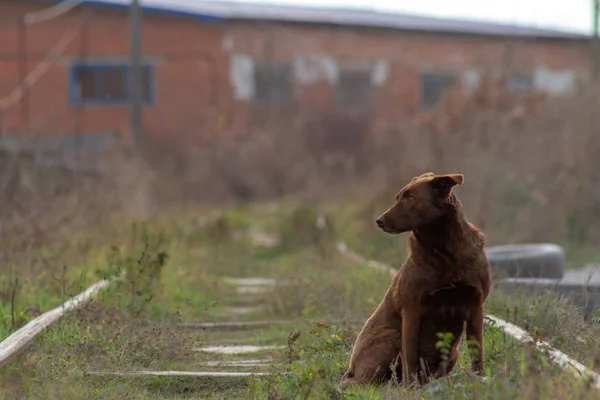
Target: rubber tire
[[535, 260]]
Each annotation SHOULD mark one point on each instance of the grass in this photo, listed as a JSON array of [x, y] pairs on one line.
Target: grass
[[177, 273]]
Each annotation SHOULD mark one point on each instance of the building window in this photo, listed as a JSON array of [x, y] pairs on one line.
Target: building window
[[520, 84], [354, 90], [433, 86], [106, 84], [272, 84]]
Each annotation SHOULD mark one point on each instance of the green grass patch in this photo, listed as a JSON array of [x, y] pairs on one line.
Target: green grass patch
[[176, 272]]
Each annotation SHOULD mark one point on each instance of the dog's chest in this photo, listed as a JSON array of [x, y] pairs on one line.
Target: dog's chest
[[444, 310], [451, 300]]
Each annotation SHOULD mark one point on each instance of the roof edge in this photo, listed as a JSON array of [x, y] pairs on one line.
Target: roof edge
[[219, 11]]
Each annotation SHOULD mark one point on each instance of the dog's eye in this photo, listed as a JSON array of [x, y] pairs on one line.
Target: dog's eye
[[406, 196]]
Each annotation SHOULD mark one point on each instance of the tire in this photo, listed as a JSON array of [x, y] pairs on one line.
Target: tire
[[538, 260]]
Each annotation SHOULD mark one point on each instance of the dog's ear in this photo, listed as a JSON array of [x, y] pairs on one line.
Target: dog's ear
[[426, 174], [443, 184]]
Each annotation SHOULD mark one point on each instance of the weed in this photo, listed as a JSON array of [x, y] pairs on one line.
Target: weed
[[138, 323], [307, 226], [444, 345]]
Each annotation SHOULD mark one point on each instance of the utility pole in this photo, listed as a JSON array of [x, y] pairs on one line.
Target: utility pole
[[596, 8], [595, 42], [135, 72]]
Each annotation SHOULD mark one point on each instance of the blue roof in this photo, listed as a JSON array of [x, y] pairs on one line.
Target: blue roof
[[212, 10]]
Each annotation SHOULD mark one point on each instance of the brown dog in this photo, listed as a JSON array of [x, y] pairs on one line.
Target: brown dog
[[440, 288]]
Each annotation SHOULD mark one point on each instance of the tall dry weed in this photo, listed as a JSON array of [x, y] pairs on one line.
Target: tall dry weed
[[530, 165], [49, 204]]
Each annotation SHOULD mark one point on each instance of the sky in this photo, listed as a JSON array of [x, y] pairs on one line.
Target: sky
[[567, 15]]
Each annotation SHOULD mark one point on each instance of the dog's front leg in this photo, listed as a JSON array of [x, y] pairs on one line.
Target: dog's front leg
[[410, 344], [475, 338]]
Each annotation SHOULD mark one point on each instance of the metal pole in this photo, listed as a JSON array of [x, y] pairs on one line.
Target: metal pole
[[595, 42], [135, 72], [79, 131], [23, 61], [596, 8]]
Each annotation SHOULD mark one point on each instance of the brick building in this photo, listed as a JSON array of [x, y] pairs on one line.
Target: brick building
[[231, 65]]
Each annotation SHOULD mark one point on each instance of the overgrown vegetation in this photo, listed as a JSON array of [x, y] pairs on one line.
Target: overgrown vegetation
[[174, 276], [525, 158], [528, 169]]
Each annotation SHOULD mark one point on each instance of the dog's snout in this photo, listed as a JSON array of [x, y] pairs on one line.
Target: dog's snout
[[379, 221]]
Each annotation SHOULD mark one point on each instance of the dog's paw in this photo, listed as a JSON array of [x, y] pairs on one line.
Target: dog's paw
[[346, 383]]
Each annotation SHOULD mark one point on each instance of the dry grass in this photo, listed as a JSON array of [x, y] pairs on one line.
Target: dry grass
[[529, 168], [525, 158]]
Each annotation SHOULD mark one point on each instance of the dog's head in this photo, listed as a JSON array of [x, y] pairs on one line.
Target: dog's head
[[425, 199]]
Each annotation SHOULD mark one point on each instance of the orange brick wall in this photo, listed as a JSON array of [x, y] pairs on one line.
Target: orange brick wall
[[192, 67]]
